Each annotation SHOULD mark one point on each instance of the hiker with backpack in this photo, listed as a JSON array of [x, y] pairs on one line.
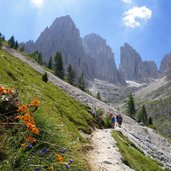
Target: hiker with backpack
[[119, 120], [114, 121]]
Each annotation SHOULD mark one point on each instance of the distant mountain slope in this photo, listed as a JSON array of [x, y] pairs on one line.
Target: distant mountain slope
[[156, 98]]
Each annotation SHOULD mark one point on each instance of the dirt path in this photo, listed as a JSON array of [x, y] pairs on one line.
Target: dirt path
[[105, 155]]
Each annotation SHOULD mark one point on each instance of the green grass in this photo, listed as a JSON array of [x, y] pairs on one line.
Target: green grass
[[59, 118], [133, 156]]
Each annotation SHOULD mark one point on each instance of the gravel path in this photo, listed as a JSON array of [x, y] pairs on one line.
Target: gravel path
[[105, 155]]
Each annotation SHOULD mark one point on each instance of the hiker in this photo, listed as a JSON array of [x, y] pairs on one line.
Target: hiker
[[119, 119], [113, 121]]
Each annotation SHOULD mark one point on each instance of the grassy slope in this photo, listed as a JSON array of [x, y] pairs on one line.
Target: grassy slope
[[59, 119], [133, 157], [160, 110]]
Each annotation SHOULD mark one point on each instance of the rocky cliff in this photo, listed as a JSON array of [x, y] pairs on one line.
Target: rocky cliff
[[151, 69], [95, 58], [133, 68], [105, 67], [165, 66], [63, 36]]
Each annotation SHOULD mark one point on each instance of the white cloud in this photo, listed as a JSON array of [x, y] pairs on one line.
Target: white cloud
[[37, 3], [127, 1], [134, 16]]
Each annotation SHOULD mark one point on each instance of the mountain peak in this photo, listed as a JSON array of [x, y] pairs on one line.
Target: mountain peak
[[63, 20]]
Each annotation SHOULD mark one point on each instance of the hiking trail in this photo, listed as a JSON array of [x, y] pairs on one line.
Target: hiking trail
[[105, 155]]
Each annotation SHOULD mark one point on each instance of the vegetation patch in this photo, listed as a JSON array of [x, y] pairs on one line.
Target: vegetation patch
[[133, 156], [59, 119]]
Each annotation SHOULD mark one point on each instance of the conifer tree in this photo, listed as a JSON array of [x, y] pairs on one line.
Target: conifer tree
[[3, 37], [39, 60], [81, 82], [59, 68], [45, 77], [130, 106], [144, 115], [70, 74], [50, 63], [99, 96], [0, 44], [16, 44], [150, 121], [11, 42]]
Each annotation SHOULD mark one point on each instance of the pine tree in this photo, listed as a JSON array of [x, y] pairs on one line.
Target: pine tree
[[144, 115], [16, 44], [130, 106], [81, 82], [3, 37], [45, 77], [0, 44], [50, 63], [71, 74], [150, 121], [99, 96], [59, 68], [39, 58], [11, 42]]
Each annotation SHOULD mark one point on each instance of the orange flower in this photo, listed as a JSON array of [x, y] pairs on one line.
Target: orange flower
[[35, 102], [10, 91], [23, 108], [51, 168], [35, 130], [17, 117], [59, 158], [30, 139], [2, 89]]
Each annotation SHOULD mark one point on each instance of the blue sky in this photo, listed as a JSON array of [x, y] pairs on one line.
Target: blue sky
[[144, 24]]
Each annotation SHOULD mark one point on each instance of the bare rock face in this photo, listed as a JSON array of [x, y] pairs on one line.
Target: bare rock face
[[63, 36], [133, 68], [105, 67], [90, 55], [165, 66], [151, 69], [28, 46]]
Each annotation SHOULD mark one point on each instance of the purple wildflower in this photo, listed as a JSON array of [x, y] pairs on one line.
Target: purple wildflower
[[37, 169], [29, 146], [67, 166], [40, 152], [45, 151], [71, 161], [63, 150]]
